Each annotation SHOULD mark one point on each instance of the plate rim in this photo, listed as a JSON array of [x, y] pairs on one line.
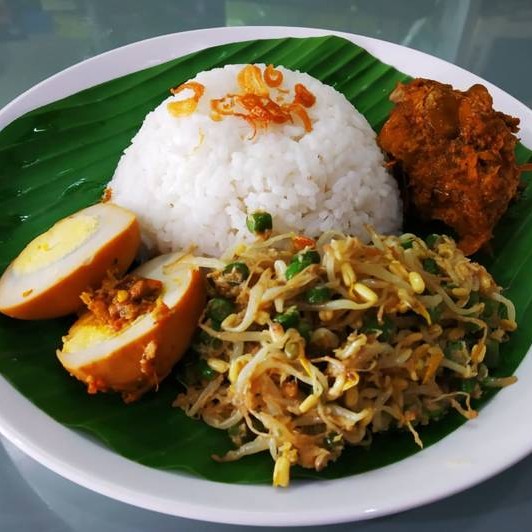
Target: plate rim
[[20, 435]]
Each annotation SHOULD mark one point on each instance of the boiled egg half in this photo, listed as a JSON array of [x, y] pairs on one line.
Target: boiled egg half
[[137, 357], [47, 278]]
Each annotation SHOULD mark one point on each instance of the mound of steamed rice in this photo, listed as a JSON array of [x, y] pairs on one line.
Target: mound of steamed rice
[[193, 180]]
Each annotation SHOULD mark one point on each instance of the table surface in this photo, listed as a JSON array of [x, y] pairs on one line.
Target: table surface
[[492, 38]]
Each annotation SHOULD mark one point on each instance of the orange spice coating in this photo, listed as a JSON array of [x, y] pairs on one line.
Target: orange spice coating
[[121, 301], [457, 153]]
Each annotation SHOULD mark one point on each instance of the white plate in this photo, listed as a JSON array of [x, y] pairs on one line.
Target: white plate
[[476, 451]]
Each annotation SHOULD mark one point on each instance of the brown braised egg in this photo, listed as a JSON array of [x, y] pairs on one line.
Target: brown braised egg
[[135, 328], [47, 278]]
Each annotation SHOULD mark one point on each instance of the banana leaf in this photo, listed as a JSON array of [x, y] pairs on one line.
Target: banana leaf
[[58, 158]]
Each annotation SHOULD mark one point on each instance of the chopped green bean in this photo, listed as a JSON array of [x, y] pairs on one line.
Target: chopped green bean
[[237, 272], [430, 266], [259, 222], [205, 371], [468, 385], [431, 240], [288, 319], [219, 308], [318, 294], [371, 325], [301, 261]]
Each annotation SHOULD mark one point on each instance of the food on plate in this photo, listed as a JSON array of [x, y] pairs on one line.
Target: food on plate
[[458, 156], [318, 335], [243, 138], [307, 346], [135, 329], [47, 278]]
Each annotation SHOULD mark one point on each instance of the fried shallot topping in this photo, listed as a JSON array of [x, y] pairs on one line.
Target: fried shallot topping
[[256, 104], [187, 106], [272, 77], [260, 100], [119, 302]]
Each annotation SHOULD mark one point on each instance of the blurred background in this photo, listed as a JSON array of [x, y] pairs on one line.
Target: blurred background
[[488, 37]]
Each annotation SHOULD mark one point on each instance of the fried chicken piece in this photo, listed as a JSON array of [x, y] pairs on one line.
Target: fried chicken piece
[[457, 154]]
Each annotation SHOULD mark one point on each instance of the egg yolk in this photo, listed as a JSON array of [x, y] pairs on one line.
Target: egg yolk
[[85, 333], [63, 238]]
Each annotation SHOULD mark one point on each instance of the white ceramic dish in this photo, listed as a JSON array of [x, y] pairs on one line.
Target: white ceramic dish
[[476, 451]]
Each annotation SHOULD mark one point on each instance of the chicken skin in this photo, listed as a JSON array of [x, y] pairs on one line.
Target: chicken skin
[[457, 154]]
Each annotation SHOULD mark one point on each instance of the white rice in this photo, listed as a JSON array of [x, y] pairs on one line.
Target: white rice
[[192, 180]]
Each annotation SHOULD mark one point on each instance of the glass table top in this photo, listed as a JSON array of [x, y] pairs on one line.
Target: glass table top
[[491, 38]]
